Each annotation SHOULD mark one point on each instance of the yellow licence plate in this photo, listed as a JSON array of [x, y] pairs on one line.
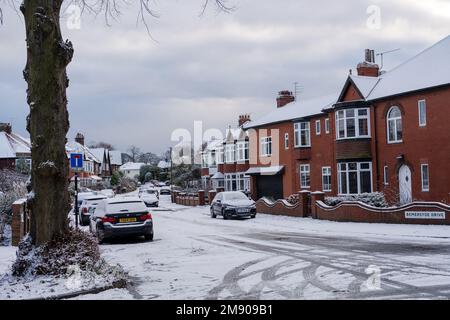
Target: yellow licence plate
[[127, 220]]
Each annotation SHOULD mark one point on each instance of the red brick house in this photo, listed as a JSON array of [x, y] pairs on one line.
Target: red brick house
[[385, 131], [15, 150], [225, 162]]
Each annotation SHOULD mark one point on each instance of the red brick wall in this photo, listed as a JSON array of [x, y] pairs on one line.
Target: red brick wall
[[421, 145], [356, 212], [7, 164]]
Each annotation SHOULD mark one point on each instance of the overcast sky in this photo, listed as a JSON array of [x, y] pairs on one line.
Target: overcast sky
[[128, 89]]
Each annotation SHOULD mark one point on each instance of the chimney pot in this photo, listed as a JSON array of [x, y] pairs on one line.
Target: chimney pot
[[6, 127], [243, 119], [80, 138], [284, 97]]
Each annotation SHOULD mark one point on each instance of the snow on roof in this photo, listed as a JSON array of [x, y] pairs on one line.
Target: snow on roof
[[12, 145], [430, 68], [218, 176], [295, 110], [115, 158], [75, 147], [365, 84], [98, 153], [132, 166]]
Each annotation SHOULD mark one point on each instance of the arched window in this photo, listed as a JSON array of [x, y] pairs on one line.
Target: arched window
[[394, 125]]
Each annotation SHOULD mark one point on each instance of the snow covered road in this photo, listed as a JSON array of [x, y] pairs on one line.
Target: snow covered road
[[271, 257]]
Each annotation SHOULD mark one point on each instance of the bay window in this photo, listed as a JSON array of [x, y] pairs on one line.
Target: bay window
[[230, 153], [352, 123], [302, 134], [220, 155], [242, 151], [355, 177]]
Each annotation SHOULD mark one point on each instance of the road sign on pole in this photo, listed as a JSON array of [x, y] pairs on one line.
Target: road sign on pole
[[76, 161], [76, 165]]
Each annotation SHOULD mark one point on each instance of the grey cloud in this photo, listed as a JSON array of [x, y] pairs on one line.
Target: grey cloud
[[127, 89]]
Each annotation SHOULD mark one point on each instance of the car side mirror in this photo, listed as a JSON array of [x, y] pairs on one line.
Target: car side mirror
[[218, 201]]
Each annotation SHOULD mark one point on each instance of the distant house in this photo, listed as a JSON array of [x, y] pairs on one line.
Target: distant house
[[131, 169], [15, 150], [92, 165], [115, 158], [102, 154]]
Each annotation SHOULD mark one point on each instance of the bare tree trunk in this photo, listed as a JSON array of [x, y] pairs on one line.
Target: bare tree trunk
[[47, 58]]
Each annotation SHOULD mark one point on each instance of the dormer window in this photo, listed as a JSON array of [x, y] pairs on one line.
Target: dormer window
[[230, 153], [353, 123]]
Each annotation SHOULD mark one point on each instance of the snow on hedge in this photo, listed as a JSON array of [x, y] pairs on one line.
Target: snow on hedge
[[374, 199]]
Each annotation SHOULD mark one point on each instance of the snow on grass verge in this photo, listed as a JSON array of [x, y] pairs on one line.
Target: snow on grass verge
[[66, 266]]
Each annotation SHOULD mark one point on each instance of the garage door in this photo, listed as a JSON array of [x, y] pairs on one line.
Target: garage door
[[270, 186]]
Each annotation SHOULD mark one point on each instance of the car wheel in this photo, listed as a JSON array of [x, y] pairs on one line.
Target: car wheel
[[213, 215], [148, 236], [224, 215], [253, 216]]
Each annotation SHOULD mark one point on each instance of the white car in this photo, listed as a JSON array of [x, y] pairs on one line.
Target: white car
[[150, 197], [89, 202], [108, 192], [121, 217]]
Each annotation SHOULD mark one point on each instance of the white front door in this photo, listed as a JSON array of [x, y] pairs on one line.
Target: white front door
[[404, 180]]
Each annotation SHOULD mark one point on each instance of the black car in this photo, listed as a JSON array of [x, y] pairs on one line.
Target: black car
[[233, 204], [120, 217], [165, 191]]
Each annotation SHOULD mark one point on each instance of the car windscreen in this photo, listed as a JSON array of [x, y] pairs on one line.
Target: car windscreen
[[234, 196], [126, 206]]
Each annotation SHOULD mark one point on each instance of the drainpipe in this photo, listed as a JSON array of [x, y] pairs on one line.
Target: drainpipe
[[376, 147]]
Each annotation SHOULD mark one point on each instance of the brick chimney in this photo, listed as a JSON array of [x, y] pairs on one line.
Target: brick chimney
[[368, 68], [243, 119], [80, 138], [284, 97], [6, 127]]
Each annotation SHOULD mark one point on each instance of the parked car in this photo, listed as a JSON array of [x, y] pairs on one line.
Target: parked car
[[82, 196], [121, 217], [165, 191], [150, 197], [233, 204], [89, 201], [108, 192]]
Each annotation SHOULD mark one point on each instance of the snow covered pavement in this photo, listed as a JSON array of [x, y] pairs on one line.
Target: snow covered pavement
[[271, 257]]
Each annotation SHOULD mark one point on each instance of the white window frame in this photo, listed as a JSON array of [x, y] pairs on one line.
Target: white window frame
[[356, 118], [425, 187], [347, 175], [422, 104], [327, 125], [300, 128], [286, 141], [205, 160], [394, 120], [220, 155], [266, 146], [230, 153], [305, 169], [318, 127], [242, 153], [326, 172], [386, 175]]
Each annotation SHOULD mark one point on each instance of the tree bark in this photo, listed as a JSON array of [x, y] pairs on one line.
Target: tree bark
[[48, 122]]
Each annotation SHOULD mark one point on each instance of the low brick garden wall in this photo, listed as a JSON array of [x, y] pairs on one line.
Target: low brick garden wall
[[20, 225], [312, 204], [414, 213]]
